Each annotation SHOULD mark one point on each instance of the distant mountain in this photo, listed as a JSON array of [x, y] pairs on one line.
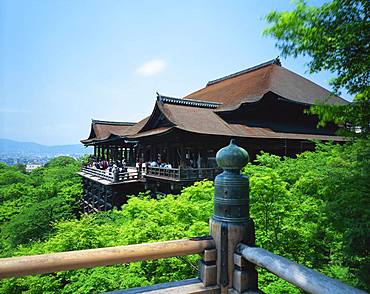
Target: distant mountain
[[29, 148]]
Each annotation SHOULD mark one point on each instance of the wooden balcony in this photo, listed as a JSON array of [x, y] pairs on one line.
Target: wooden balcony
[[181, 174], [133, 174], [107, 177]]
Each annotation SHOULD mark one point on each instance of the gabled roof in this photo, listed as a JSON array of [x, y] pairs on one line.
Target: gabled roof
[[250, 85], [103, 130], [202, 120], [198, 112], [188, 115]]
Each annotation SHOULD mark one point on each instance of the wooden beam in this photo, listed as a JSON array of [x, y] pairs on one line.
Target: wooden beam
[[47, 263]]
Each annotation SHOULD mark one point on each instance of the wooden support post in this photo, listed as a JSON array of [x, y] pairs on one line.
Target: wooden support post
[[132, 159], [182, 156], [207, 267], [108, 153], [245, 274], [105, 199], [203, 154], [115, 153], [230, 223], [98, 159], [126, 155]]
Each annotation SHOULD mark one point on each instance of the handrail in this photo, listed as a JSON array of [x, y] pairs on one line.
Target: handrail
[[47, 263], [111, 176], [296, 274], [182, 173]]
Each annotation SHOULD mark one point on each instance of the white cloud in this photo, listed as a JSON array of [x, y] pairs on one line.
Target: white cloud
[[151, 68]]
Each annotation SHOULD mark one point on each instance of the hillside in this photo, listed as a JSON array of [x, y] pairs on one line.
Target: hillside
[[29, 148]]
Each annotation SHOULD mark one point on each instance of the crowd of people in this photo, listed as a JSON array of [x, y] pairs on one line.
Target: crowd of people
[[121, 166], [117, 165], [156, 164]]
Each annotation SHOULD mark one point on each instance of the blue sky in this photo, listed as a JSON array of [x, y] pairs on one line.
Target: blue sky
[[65, 62]]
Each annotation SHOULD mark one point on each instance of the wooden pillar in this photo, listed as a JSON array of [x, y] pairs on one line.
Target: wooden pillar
[[103, 152], [105, 198], [182, 156], [115, 157], [135, 153], [98, 159], [132, 158], [285, 147], [151, 157], [170, 157], [204, 159], [126, 154], [95, 151]]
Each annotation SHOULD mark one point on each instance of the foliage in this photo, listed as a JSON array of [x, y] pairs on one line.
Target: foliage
[[141, 220], [336, 36], [313, 209], [31, 203]]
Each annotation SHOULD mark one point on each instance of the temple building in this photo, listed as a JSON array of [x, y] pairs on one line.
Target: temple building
[[262, 108]]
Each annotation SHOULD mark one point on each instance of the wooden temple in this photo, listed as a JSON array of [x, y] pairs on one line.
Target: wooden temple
[[262, 108]]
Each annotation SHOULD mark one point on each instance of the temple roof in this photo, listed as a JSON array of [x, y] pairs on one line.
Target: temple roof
[[103, 130], [205, 121], [199, 112], [250, 85]]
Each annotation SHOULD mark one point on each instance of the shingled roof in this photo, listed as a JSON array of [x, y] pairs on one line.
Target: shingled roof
[[251, 84], [186, 116], [198, 112], [103, 130]]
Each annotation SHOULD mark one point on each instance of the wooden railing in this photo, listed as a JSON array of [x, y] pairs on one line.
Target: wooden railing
[[111, 176], [174, 174], [182, 174], [170, 173], [298, 275], [47, 263]]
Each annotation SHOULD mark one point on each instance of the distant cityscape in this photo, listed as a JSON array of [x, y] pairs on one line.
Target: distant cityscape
[[28, 153]]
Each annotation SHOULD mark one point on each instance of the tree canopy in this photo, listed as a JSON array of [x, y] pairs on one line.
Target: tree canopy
[[336, 37]]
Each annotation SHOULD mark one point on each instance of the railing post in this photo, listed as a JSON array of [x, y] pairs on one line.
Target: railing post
[[115, 174], [230, 223]]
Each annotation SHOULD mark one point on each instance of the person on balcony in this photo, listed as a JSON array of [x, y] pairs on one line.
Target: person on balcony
[[104, 164], [154, 164]]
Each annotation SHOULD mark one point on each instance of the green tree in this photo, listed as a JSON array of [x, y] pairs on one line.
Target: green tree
[[31, 203], [336, 37]]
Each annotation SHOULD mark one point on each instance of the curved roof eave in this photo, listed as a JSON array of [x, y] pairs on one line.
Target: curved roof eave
[[255, 100], [157, 107]]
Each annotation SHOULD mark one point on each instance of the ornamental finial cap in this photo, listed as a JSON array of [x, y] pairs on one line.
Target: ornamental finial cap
[[232, 157]]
